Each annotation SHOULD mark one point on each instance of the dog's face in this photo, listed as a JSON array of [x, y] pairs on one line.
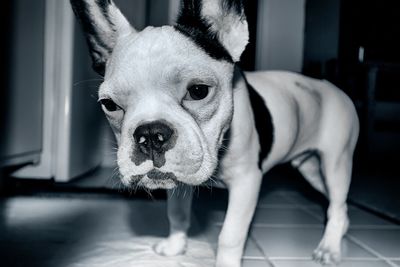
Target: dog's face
[[169, 105], [168, 99]]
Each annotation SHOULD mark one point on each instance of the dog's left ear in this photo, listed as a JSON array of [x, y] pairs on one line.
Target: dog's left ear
[[103, 23], [211, 21]]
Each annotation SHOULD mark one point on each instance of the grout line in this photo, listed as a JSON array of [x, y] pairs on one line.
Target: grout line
[[374, 211], [352, 227], [283, 226], [289, 205], [259, 248], [313, 214], [275, 206], [253, 258], [291, 258], [267, 225], [308, 211], [351, 238], [251, 237], [370, 250], [311, 259], [374, 227]]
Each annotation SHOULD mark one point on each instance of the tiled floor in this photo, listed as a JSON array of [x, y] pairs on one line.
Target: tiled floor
[[288, 226], [98, 230]]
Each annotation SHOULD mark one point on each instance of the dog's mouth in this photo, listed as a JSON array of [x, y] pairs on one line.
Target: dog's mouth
[[155, 179]]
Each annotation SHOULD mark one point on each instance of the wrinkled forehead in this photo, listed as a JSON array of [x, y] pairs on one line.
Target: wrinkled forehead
[[161, 49]]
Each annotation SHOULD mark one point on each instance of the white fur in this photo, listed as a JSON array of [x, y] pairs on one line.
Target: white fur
[[316, 117], [147, 76], [107, 32], [147, 96], [232, 29]]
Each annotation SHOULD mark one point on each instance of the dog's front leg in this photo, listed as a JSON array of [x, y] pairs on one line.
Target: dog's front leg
[[244, 186], [179, 207]]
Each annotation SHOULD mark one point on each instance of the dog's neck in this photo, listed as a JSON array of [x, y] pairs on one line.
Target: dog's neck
[[250, 111]]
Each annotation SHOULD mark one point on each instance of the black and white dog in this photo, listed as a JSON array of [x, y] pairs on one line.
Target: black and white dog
[[172, 95]]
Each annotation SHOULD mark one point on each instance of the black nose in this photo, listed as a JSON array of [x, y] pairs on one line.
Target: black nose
[[153, 139]]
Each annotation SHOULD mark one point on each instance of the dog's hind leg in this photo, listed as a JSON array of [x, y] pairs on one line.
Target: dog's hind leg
[[309, 166], [179, 210], [337, 171]]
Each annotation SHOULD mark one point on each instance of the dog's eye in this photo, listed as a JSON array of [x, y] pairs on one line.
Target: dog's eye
[[197, 92], [109, 104]]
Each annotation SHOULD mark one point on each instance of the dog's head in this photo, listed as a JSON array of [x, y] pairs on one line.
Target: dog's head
[[167, 91]]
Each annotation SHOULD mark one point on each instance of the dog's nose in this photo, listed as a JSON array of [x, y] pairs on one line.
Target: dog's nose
[[153, 139]]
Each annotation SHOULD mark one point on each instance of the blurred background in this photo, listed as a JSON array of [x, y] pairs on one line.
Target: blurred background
[[55, 139]]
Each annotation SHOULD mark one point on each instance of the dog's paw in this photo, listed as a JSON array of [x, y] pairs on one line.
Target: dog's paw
[[326, 255], [172, 246], [328, 251]]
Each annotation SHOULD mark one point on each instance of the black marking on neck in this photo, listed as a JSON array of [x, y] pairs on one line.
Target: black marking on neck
[[263, 121], [191, 24]]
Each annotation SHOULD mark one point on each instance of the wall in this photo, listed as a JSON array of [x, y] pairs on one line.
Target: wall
[[280, 35], [22, 93], [321, 35]]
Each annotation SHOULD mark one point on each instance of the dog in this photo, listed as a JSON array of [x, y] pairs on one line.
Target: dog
[[175, 98]]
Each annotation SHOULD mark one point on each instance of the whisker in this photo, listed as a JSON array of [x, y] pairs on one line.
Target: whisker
[[87, 81]]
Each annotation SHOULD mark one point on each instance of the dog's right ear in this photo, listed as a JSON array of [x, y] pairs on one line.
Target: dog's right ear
[[103, 23], [218, 26]]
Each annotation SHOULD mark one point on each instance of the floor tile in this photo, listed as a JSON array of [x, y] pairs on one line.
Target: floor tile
[[383, 197], [72, 232], [273, 198], [306, 263], [252, 251], [255, 263], [396, 262], [139, 252], [283, 216], [300, 199], [298, 242], [360, 217], [213, 216], [318, 213], [49, 232], [384, 241]]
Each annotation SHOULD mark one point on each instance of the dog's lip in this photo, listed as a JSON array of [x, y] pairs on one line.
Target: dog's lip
[[156, 174], [156, 179]]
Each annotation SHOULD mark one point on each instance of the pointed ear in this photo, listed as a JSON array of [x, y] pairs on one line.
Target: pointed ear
[[221, 21], [103, 23]]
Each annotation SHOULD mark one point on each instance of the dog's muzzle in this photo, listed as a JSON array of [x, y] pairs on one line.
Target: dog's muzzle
[[152, 140]]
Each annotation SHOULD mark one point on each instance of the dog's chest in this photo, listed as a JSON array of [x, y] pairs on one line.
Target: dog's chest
[[250, 138], [263, 123]]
